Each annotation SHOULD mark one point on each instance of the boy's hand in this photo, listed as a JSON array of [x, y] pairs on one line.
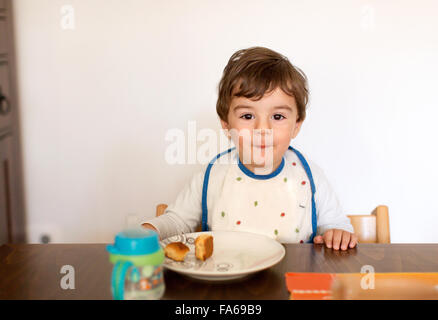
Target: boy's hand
[[337, 238]]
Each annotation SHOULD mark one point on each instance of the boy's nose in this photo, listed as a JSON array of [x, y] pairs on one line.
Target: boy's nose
[[263, 132], [263, 124]]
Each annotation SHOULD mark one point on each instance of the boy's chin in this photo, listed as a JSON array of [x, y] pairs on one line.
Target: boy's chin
[[264, 170], [264, 166], [262, 163]]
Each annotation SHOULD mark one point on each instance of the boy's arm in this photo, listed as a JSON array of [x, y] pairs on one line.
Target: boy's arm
[[329, 210], [334, 227], [184, 215]]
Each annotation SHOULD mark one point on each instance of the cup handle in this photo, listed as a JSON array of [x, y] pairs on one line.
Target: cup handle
[[118, 278]]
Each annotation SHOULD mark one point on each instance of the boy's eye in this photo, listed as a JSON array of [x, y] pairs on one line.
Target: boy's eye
[[247, 116], [278, 117]]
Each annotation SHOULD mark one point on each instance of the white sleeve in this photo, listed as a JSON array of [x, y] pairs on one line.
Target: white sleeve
[[184, 215], [330, 214]]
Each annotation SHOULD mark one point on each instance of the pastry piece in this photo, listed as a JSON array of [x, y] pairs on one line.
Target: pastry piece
[[176, 251], [204, 247]]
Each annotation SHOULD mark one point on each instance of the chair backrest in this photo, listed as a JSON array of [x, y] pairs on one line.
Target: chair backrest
[[160, 209], [373, 228]]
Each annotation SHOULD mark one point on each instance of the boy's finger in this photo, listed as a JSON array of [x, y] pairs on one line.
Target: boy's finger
[[346, 236], [328, 237], [337, 237], [318, 239], [353, 241]]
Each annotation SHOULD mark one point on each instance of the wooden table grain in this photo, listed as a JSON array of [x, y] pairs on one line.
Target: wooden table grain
[[33, 271]]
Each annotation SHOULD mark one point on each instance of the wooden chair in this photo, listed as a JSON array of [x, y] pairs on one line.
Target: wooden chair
[[162, 207], [372, 228]]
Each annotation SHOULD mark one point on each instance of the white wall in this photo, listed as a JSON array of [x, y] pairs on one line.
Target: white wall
[[97, 101]]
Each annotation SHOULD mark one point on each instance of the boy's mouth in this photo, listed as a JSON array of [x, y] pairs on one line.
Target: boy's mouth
[[262, 146]]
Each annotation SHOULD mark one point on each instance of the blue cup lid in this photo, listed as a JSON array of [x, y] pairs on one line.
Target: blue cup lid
[[137, 241]]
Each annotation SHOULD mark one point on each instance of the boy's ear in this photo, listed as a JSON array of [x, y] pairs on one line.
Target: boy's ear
[[226, 127], [297, 128]]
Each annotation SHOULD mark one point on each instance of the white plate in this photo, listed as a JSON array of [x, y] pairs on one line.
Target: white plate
[[235, 255]]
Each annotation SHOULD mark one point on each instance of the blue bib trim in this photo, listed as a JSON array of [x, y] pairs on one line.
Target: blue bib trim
[[204, 189], [312, 185], [263, 177]]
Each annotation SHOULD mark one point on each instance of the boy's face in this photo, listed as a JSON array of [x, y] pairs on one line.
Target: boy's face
[[263, 129]]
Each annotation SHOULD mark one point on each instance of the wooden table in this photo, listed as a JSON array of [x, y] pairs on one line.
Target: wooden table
[[32, 271]]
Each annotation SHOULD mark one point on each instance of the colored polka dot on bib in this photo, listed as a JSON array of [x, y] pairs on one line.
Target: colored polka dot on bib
[[239, 178], [276, 232], [303, 183], [297, 230], [223, 214], [255, 203], [282, 214], [294, 164], [285, 179], [238, 222], [301, 241]]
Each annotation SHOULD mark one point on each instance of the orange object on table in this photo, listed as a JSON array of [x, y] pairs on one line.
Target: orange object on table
[[309, 286], [362, 286]]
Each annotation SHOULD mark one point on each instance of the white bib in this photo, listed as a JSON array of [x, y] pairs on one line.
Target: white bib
[[278, 205]]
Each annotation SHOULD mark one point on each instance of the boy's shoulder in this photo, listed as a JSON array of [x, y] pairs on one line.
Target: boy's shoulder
[[291, 155], [316, 170], [222, 162], [219, 164]]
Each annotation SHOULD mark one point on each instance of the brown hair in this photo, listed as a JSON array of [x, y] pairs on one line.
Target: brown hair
[[260, 70]]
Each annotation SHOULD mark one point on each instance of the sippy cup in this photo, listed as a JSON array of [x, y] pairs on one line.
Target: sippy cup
[[137, 273]]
